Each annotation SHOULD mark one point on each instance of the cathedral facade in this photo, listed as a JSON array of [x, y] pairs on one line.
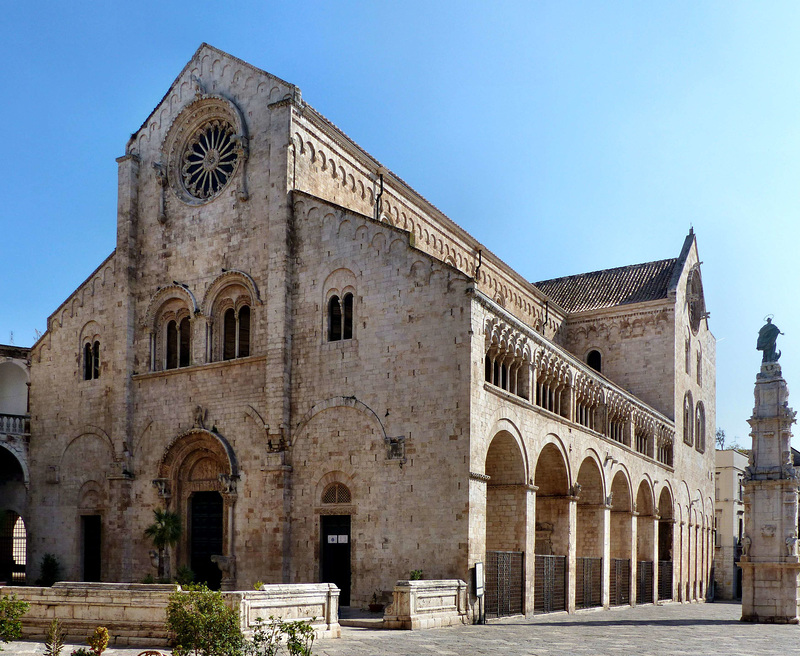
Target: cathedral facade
[[329, 380]]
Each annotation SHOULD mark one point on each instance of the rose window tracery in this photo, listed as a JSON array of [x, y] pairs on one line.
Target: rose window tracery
[[209, 160]]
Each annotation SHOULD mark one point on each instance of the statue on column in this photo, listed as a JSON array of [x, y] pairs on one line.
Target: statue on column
[[767, 337]]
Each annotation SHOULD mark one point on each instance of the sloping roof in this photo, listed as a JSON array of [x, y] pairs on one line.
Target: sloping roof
[[611, 287]]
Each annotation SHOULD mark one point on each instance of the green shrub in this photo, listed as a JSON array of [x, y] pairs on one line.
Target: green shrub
[[149, 579], [185, 575], [98, 641], [11, 610], [50, 571], [202, 624], [278, 637], [416, 575], [54, 639], [81, 651]]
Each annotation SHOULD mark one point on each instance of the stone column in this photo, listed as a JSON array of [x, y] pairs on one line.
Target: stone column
[[530, 547], [572, 551], [770, 563], [606, 577], [634, 556]]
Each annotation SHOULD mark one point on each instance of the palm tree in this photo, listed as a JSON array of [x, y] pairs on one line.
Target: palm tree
[[165, 533]]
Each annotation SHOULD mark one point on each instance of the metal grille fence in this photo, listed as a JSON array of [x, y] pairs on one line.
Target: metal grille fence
[[620, 592], [644, 582], [504, 583], [664, 579], [588, 582], [550, 587]]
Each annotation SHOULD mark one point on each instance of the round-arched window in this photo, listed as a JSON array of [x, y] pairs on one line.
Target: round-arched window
[[594, 360], [336, 493]]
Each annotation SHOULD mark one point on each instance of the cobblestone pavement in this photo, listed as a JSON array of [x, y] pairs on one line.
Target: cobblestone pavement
[[674, 629]]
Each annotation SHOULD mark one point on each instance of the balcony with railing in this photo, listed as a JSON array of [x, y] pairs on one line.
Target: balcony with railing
[[15, 424]]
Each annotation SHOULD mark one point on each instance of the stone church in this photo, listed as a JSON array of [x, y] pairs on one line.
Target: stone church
[[330, 380]]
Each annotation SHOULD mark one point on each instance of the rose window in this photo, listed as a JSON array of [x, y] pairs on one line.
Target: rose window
[[209, 159]]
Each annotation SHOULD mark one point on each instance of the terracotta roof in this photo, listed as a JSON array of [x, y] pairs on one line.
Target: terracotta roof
[[611, 287]]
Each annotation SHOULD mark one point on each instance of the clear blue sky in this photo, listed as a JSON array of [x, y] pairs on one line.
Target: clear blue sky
[[566, 136]]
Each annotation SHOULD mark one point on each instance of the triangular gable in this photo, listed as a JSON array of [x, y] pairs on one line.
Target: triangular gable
[[196, 60]]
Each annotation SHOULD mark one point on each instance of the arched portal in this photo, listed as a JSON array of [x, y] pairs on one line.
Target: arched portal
[[12, 505], [552, 530], [621, 547], [590, 536], [197, 479], [666, 522], [506, 526], [645, 544]]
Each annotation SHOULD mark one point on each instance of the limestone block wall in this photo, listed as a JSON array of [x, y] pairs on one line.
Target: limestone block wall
[[403, 376], [328, 164], [636, 344]]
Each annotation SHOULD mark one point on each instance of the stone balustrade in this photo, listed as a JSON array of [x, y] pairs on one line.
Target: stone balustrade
[[14, 424], [427, 604], [135, 613]]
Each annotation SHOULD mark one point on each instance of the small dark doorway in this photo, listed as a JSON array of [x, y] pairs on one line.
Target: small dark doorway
[[91, 539], [206, 537], [336, 554]]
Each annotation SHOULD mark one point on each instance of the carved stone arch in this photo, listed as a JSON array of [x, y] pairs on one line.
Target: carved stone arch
[[666, 499], [162, 297], [594, 456], [555, 444], [91, 497], [230, 277], [338, 402], [332, 478], [90, 432], [508, 426], [621, 482], [201, 462], [191, 441], [17, 450]]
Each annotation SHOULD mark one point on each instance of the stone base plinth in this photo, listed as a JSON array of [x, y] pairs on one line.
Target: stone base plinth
[[427, 605], [771, 592]]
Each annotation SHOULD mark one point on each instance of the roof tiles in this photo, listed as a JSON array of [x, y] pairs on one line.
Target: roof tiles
[[596, 290]]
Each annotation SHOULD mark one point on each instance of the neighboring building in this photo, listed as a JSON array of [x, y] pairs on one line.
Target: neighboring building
[[728, 522], [330, 380], [14, 436]]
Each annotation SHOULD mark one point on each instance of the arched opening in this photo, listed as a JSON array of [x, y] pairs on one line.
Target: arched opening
[[335, 532], [621, 547], [552, 531], [666, 523], [595, 360], [197, 478], [645, 546], [505, 527], [13, 389], [334, 319], [12, 500], [590, 536], [13, 544]]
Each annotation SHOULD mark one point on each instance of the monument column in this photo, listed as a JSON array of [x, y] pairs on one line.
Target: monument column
[[769, 562]]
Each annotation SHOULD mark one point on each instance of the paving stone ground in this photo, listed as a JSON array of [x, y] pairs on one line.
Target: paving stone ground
[[674, 629]]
